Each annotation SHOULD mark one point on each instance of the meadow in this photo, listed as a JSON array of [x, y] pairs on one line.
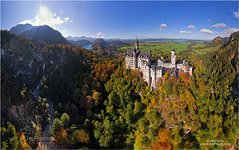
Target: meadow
[[164, 48]]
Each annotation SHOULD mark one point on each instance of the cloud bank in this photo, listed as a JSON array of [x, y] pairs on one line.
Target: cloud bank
[[206, 31], [184, 32], [236, 14], [229, 31], [46, 17], [191, 26], [219, 25], [163, 26]]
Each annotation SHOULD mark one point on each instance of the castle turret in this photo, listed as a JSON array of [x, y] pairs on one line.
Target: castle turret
[[135, 59], [173, 59], [137, 44]]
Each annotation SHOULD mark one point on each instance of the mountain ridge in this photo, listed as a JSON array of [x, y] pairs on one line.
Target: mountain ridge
[[43, 33]]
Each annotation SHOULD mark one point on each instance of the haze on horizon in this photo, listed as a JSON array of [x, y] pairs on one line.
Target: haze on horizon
[[128, 19]]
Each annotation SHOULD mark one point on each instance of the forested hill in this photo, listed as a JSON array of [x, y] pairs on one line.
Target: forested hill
[[26, 68], [219, 69], [39, 80], [81, 100]]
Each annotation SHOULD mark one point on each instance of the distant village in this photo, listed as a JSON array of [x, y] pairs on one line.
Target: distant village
[[154, 70]]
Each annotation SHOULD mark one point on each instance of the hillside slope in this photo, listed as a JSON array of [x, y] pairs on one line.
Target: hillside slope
[[28, 65]]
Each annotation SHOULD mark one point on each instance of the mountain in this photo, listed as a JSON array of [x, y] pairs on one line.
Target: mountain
[[110, 44], [104, 44], [220, 40], [115, 44], [77, 38], [99, 44], [80, 43], [217, 39], [20, 28], [72, 38], [43, 33]]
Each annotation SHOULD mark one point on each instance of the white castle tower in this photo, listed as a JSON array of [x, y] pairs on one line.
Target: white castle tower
[[173, 59], [135, 60]]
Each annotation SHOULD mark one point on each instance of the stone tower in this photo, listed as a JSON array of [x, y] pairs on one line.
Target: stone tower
[[173, 59]]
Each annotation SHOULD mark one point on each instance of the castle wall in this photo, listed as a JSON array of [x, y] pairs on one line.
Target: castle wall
[[145, 69], [159, 73], [129, 61], [139, 63], [143, 62], [153, 77], [146, 74]]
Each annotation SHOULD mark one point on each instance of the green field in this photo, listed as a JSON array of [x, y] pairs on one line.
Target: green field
[[164, 48], [158, 48]]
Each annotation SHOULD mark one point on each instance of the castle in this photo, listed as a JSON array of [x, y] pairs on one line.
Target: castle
[[153, 70]]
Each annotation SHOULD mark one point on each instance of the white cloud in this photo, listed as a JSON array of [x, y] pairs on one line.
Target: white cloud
[[46, 17], [162, 26], [236, 14], [66, 19], [191, 26], [64, 32], [229, 31], [184, 32], [206, 31], [219, 25], [99, 35]]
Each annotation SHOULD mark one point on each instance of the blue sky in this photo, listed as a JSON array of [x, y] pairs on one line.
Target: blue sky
[[127, 19]]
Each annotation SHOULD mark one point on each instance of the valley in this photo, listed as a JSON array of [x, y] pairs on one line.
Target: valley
[[71, 93], [157, 75]]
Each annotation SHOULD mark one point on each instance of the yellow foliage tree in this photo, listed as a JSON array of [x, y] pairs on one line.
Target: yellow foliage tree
[[23, 142]]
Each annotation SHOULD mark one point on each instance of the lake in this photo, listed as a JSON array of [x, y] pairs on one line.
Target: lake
[[88, 47]]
